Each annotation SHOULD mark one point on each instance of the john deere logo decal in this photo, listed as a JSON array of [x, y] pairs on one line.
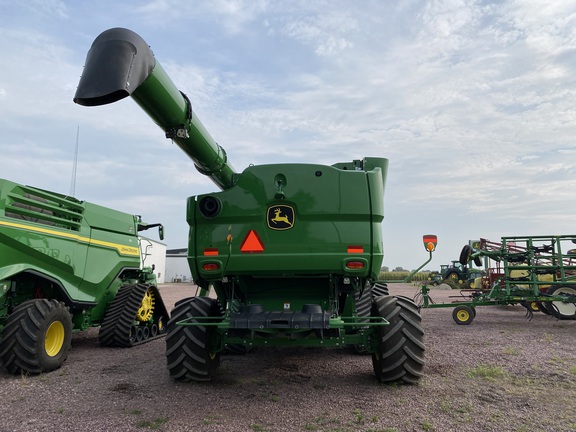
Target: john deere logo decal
[[280, 217]]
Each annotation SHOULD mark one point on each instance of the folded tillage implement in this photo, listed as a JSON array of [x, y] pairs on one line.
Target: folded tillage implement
[[538, 272]]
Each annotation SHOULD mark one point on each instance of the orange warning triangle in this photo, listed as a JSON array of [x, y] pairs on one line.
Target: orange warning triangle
[[252, 243]]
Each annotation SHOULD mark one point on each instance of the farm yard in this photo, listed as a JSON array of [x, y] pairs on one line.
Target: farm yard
[[501, 373]]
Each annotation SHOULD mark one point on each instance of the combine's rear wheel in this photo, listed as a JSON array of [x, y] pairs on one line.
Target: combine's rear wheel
[[188, 351], [559, 309], [400, 354], [364, 302], [36, 337]]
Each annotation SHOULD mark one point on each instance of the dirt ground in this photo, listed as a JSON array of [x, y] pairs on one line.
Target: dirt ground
[[501, 373]]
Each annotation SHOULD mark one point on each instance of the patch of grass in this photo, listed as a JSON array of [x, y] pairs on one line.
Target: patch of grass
[[60, 411], [154, 424], [210, 420], [427, 426], [462, 412], [488, 372], [512, 351], [358, 417], [573, 370], [322, 422]]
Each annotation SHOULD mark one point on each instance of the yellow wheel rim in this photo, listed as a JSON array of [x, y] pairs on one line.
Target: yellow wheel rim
[[146, 308], [54, 338], [463, 315]]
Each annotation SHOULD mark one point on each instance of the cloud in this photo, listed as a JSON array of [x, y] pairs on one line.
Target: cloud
[[472, 102]]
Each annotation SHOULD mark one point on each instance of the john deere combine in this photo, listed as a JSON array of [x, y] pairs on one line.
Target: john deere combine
[[67, 265], [291, 251]]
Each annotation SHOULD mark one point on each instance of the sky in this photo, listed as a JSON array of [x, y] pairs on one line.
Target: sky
[[473, 103]]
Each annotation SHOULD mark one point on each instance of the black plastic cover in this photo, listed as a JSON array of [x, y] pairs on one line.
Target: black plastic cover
[[118, 62]]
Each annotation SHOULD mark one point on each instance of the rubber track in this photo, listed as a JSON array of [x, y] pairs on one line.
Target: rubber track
[[402, 342], [120, 316], [186, 346]]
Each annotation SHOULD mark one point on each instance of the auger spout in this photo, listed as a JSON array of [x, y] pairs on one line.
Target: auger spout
[[120, 64]]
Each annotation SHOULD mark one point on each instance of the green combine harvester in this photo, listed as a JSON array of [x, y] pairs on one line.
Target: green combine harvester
[[285, 255], [67, 265]]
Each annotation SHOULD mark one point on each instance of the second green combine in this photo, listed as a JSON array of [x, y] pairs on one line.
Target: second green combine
[[67, 265]]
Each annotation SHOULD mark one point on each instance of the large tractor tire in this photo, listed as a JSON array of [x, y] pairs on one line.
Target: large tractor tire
[[188, 348], [364, 301], [559, 309], [453, 276], [37, 337], [400, 354], [135, 316], [364, 305]]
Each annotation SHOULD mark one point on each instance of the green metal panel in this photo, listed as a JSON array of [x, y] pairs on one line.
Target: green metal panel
[[79, 246], [334, 210]]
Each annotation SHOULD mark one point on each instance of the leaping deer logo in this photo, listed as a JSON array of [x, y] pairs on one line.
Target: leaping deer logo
[[277, 218], [283, 217]]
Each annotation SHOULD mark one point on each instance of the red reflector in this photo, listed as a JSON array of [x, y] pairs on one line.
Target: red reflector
[[355, 249], [210, 251], [210, 267], [252, 243], [355, 265]]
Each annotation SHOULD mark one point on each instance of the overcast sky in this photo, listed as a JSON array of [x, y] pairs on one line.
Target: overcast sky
[[473, 102]]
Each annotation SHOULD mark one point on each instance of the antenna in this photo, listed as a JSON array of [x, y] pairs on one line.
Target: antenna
[[75, 164]]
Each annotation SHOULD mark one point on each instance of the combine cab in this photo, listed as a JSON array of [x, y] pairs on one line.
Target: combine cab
[[291, 251], [67, 265]]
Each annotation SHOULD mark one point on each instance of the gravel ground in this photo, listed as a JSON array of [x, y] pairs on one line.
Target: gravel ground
[[501, 373]]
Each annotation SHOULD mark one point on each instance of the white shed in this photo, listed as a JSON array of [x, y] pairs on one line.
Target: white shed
[[177, 269], [153, 253]]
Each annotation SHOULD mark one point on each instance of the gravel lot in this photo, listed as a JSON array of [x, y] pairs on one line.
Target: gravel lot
[[501, 373]]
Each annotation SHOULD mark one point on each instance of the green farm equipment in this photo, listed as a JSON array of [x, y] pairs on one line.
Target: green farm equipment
[[67, 265], [291, 252], [537, 272]]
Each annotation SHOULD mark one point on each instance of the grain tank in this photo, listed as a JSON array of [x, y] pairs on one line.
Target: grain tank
[[291, 252]]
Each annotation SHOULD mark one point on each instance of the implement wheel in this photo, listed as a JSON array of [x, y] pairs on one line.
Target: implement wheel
[[463, 315], [532, 306], [400, 354], [559, 309], [189, 354], [37, 337]]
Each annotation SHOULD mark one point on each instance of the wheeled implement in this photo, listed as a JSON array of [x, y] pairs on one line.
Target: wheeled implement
[[290, 251], [67, 265], [538, 272]]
